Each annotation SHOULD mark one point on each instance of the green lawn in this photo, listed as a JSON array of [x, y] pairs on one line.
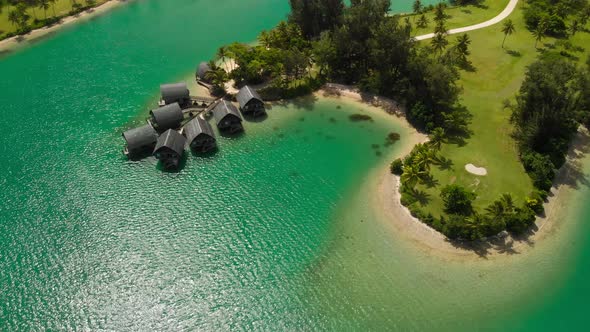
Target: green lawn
[[461, 16], [497, 77], [62, 7]]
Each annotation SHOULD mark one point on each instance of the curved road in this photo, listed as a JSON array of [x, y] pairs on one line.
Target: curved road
[[505, 13]]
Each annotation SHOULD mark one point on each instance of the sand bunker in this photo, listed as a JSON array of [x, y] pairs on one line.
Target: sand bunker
[[476, 170]]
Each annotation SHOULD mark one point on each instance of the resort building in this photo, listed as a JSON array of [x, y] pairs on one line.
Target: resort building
[[199, 135], [140, 140], [167, 117], [176, 93], [251, 104], [170, 148], [202, 71], [227, 117]]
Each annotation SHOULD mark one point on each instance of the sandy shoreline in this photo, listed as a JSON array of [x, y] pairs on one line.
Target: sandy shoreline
[[15, 42], [398, 218]]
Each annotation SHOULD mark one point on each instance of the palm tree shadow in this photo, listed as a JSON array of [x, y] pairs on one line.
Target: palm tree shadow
[[513, 53], [445, 164], [429, 181], [468, 67], [420, 196]]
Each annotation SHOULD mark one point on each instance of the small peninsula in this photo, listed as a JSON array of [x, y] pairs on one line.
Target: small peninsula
[[466, 181]]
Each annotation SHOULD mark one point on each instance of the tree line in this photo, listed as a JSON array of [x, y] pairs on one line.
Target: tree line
[[553, 101], [19, 14]]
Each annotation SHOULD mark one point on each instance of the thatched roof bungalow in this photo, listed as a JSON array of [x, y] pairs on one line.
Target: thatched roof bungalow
[[227, 117], [251, 104], [140, 140], [199, 135], [175, 93], [170, 148], [167, 117]]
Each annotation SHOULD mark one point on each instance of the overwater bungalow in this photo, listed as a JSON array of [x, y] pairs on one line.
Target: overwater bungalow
[[227, 117], [170, 148], [140, 140], [167, 117], [202, 71], [176, 93], [251, 104], [199, 135]]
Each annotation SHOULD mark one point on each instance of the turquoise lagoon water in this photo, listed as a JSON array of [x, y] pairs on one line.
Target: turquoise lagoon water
[[274, 232]]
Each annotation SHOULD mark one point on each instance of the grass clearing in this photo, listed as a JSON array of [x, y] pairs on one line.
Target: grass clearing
[[461, 16], [498, 75]]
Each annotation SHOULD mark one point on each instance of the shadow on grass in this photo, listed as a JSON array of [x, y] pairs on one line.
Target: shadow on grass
[[445, 164], [420, 196], [468, 67], [513, 53], [429, 181]]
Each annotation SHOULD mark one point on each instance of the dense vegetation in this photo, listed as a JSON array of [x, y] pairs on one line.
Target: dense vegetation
[[23, 14], [358, 44], [552, 103], [550, 16]]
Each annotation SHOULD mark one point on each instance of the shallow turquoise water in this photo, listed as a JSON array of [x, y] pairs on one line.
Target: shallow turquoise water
[[274, 232]]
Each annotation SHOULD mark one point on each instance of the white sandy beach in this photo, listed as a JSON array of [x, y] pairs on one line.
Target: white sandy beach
[[18, 41]]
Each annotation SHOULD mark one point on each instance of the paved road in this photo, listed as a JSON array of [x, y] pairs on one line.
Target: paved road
[[505, 13]]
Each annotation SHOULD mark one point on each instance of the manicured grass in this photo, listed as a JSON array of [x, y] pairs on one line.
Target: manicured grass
[[461, 16], [62, 7], [498, 76]]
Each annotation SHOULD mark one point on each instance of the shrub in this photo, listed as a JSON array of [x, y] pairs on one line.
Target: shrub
[[397, 167], [535, 205], [457, 200], [520, 220], [416, 212], [540, 169]]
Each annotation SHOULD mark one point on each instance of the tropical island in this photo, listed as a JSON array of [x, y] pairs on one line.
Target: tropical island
[[298, 222], [496, 140]]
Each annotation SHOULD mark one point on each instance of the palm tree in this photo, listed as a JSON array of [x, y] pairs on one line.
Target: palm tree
[[439, 13], [417, 6], [462, 48], [221, 55], [539, 32], [473, 223], [422, 21], [44, 4], [53, 7], [439, 43], [411, 175], [408, 24], [440, 28], [575, 27], [13, 17], [217, 76], [264, 38], [508, 29], [507, 202], [496, 210], [437, 138]]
